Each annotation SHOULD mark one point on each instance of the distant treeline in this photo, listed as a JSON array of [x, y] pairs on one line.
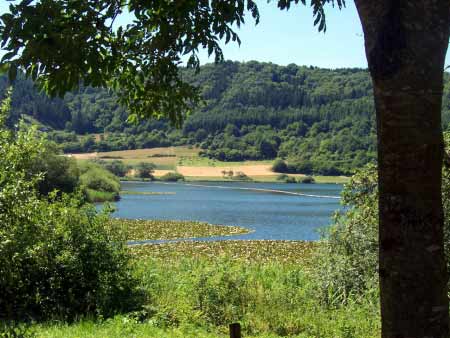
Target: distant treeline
[[319, 118]]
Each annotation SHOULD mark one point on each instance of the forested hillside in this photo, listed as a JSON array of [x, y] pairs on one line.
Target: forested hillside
[[320, 120]]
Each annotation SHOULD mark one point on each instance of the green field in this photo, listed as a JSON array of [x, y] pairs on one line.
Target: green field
[[164, 158], [195, 289], [172, 157]]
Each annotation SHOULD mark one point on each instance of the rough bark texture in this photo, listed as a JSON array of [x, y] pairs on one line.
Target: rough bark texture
[[406, 43]]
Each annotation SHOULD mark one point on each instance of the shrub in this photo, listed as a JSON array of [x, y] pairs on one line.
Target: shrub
[[348, 261], [96, 178], [279, 166], [145, 170], [172, 177], [117, 167], [290, 180], [301, 167], [282, 177], [58, 258], [327, 169], [307, 180], [240, 176], [59, 172]]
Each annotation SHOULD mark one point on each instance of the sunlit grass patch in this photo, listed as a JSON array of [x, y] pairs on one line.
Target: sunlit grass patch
[[164, 229]]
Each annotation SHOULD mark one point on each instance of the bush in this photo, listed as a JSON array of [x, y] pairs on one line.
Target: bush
[[348, 260], [96, 178], [279, 166], [172, 177], [282, 177], [59, 172], [145, 170], [58, 258], [290, 180], [240, 176], [301, 167], [307, 180], [117, 167]]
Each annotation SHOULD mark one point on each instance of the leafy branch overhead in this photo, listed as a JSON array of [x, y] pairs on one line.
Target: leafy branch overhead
[[62, 43]]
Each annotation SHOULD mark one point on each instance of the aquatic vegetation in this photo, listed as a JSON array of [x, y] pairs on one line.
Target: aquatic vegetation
[[138, 229], [147, 193], [248, 251]]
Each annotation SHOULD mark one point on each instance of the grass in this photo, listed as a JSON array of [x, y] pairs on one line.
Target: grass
[[172, 157], [162, 229], [197, 289], [332, 179], [133, 157], [118, 327], [197, 161]]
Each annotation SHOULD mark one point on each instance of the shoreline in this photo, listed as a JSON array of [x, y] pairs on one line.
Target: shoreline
[[255, 179]]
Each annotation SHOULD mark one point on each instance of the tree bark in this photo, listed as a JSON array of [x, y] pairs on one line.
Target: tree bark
[[406, 42]]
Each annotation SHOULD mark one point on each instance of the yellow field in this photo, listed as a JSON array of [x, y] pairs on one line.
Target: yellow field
[[168, 160], [187, 162]]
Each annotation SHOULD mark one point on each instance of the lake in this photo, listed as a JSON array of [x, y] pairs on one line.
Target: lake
[[271, 215]]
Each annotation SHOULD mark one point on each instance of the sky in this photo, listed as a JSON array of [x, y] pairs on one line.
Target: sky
[[290, 37]]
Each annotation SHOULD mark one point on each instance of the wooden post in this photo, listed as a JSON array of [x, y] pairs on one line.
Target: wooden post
[[235, 330]]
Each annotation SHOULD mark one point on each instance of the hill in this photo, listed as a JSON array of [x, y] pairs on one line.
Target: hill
[[320, 120]]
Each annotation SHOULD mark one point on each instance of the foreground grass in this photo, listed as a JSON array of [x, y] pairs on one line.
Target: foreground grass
[[136, 230], [196, 290], [118, 327]]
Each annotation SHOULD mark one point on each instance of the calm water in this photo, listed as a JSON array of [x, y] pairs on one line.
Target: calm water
[[271, 215]]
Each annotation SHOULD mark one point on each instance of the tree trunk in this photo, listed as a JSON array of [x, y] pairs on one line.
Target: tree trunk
[[406, 43]]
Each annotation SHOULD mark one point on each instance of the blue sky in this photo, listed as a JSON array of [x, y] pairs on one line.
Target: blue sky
[[290, 37]]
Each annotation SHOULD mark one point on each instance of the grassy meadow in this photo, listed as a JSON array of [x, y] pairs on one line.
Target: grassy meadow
[[186, 160], [195, 289]]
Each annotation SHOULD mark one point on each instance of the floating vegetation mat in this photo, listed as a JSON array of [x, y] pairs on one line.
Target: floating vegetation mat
[[128, 192], [249, 251], [162, 229]]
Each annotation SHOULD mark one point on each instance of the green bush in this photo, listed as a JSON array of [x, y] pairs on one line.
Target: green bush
[[290, 180], [58, 258], [282, 177], [279, 166], [307, 180], [117, 167], [145, 170], [96, 178], [348, 259], [59, 172], [172, 177], [301, 167]]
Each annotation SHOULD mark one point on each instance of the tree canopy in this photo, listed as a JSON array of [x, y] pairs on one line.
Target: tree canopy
[[139, 61]]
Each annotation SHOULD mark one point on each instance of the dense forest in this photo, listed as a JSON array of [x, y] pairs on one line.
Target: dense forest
[[320, 120]]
